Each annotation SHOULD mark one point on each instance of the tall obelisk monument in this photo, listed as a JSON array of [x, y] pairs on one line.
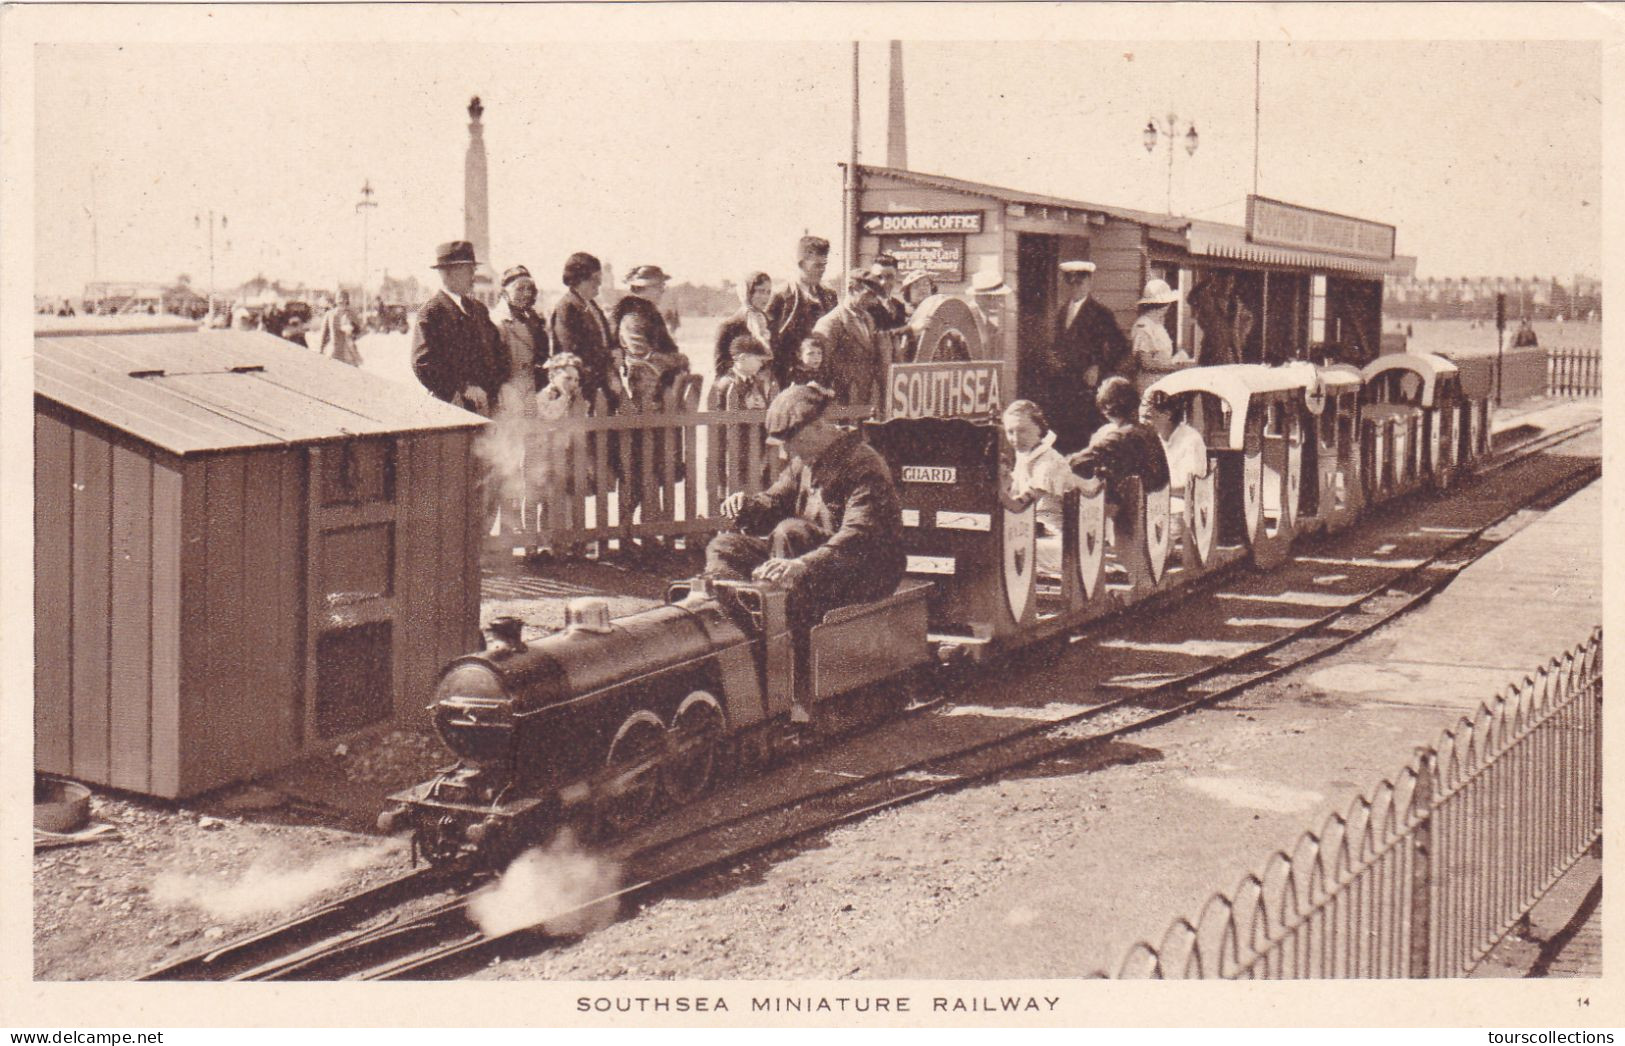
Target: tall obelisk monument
[[476, 203]]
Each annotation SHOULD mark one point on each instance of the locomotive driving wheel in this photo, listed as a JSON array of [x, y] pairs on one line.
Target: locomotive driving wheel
[[692, 746], [633, 780]]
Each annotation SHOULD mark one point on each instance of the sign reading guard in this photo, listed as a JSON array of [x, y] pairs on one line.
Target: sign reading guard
[[945, 390], [930, 474]]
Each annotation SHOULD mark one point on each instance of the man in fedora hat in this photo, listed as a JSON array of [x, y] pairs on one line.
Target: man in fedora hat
[[858, 354], [524, 341], [830, 528], [792, 311], [456, 351], [1087, 348]]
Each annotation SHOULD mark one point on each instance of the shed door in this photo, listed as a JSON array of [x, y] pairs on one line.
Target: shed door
[[350, 582]]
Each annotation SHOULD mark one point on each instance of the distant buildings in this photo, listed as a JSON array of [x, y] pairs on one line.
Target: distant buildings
[[1473, 297]]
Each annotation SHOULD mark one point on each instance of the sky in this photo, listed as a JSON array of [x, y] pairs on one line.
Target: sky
[[710, 158]]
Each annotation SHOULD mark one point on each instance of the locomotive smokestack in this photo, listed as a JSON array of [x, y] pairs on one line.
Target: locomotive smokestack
[[897, 119]]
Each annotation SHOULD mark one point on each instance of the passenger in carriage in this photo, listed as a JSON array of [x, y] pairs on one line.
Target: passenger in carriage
[[1184, 447], [1121, 448], [1040, 475]]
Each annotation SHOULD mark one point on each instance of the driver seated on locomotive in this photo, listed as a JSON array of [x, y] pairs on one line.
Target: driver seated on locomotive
[[1040, 475], [829, 529], [1121, 449]]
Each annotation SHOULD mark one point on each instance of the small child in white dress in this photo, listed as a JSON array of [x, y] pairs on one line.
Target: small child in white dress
[[1040, 475]]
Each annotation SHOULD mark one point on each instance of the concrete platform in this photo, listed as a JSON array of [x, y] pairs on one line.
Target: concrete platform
[[1221, 790]]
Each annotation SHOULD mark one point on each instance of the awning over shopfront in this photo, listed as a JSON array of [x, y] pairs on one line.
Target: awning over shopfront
[[1218, 240]]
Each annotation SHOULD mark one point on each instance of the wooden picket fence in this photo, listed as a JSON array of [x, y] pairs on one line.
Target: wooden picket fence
[[1573, 372], [608, 478]]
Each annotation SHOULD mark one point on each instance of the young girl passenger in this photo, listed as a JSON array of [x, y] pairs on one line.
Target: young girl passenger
[[1040, 475]]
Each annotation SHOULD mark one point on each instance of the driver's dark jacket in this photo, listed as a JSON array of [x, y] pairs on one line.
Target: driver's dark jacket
[[846, 493]]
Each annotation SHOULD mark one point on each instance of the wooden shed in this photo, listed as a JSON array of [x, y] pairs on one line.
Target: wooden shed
[[243, 552]]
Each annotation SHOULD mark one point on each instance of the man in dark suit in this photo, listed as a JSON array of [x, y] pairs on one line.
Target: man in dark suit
[[1088, 347], [792, 312], [456, 350], [578, 325]]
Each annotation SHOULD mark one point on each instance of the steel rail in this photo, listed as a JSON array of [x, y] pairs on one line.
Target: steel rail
[[228, 960]]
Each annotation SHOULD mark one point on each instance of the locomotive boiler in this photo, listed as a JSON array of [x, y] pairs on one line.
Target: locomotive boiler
[[609, 718]]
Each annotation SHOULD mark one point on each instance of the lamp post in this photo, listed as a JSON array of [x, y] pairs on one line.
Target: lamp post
[[1155, 129], [197, 219], [367, 204]]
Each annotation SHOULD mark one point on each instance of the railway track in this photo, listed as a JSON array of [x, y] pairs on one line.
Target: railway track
[[394, 931]]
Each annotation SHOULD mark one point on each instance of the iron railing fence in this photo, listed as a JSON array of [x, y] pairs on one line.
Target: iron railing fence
[[1573, 372], [1426, 874]]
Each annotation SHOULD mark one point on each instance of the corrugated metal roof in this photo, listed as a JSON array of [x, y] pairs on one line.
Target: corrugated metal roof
[[941, 181], [228, 390], [1218, 240]]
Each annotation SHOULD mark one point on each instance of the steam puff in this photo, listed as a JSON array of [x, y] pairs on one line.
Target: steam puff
[[561, 888], [502, 445], [265, 887]]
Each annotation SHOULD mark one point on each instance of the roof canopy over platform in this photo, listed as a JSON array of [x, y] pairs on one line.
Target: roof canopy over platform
[[203, 391]]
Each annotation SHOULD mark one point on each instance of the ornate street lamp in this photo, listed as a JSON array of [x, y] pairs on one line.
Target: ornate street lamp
[[1154, 130]]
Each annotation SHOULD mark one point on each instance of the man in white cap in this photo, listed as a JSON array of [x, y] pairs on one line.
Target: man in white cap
[[1087, 348]]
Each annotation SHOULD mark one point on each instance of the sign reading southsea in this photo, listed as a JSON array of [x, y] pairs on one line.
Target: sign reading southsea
[[945, 390], [1280, 224]]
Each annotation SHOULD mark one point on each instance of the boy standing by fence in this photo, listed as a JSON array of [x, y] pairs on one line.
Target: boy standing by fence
[[746, 385]]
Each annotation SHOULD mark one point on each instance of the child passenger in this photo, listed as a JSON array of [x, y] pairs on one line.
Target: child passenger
[[1186, 451], [1040, 475]]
